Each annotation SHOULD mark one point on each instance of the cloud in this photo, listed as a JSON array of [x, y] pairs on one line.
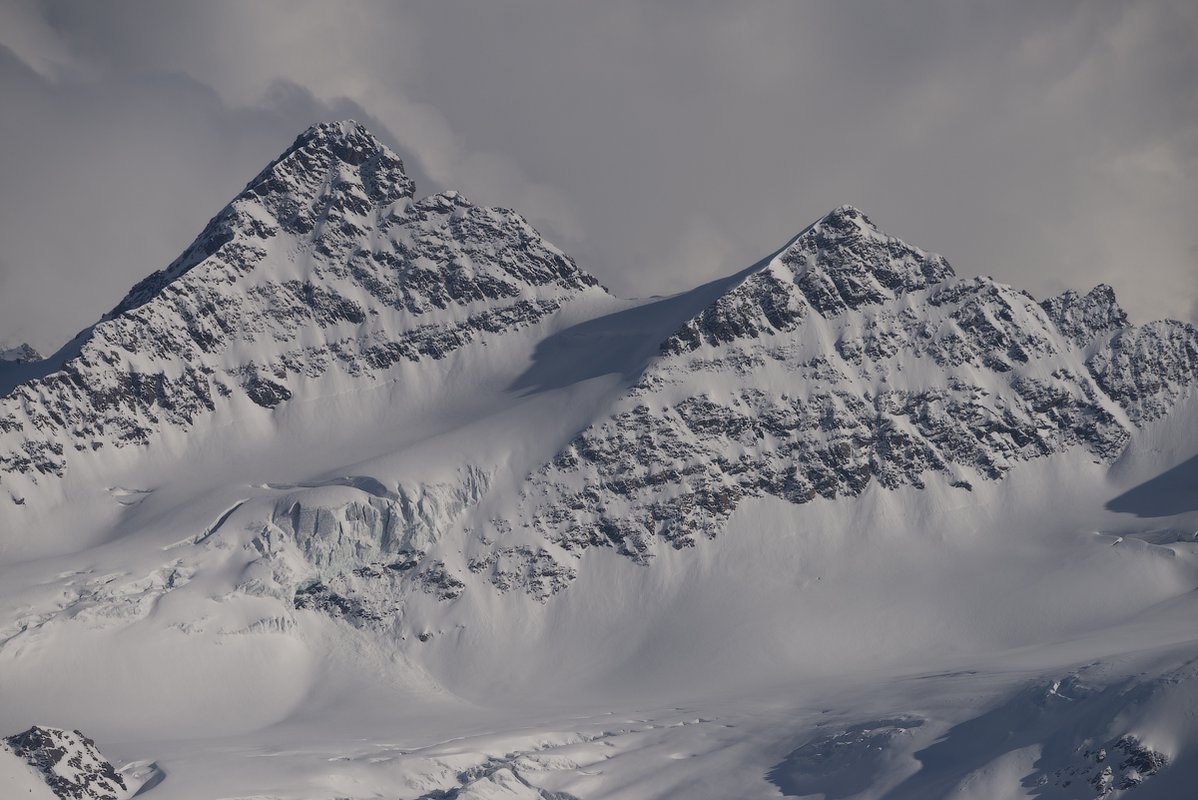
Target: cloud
[[104, 183], [983, 133], [1049, 145], [121, 164], [29, 38], [360, 52], [701, 252]]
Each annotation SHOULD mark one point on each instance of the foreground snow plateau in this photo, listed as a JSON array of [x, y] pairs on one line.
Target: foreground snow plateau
[[371, 496]]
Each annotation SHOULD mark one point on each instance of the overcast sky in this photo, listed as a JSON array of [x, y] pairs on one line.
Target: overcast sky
[[1049, 144]]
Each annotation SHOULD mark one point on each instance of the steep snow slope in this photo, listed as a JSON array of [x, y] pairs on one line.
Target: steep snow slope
[[324, 264], [374, 496]]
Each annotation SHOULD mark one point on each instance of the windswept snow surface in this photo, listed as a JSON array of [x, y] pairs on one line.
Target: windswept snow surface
[[375, 497]]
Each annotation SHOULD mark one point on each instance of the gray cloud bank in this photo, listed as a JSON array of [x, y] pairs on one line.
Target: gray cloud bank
[[1051, 145]]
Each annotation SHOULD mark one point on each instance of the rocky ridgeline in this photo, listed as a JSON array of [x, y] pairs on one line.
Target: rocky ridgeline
[[852, 359], [849, 359], [1145, 368], [1083, 318], [69, 763], [325, 262]]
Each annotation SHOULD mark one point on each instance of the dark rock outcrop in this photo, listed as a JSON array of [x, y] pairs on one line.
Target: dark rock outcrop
[[70, 764]]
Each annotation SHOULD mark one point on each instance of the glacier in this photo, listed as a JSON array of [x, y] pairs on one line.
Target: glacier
[[373, 495]]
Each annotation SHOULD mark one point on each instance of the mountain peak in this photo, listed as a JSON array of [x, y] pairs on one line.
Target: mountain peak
[[844, 260], [331, 170], [324, 267], [347, 139], [839, 263], [846, 214], [325, 148]]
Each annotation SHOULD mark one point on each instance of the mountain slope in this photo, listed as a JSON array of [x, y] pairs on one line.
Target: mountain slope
[[324, 264], [368, 495], [853, 358]]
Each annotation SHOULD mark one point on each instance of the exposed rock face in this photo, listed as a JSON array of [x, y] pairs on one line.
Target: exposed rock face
[[324, 264], [368, 593], [532, 570], [1126, 764], [70, 763], [841, 263], [1147, 369], [1082, 318], [850, 359], [497, 777]]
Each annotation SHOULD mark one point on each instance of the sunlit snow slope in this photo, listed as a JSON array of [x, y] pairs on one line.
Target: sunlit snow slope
[[371, 496]]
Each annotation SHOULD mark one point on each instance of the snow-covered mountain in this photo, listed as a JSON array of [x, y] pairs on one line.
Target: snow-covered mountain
[[853, 358], [361, 464], [324, 262], [50, 762]]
